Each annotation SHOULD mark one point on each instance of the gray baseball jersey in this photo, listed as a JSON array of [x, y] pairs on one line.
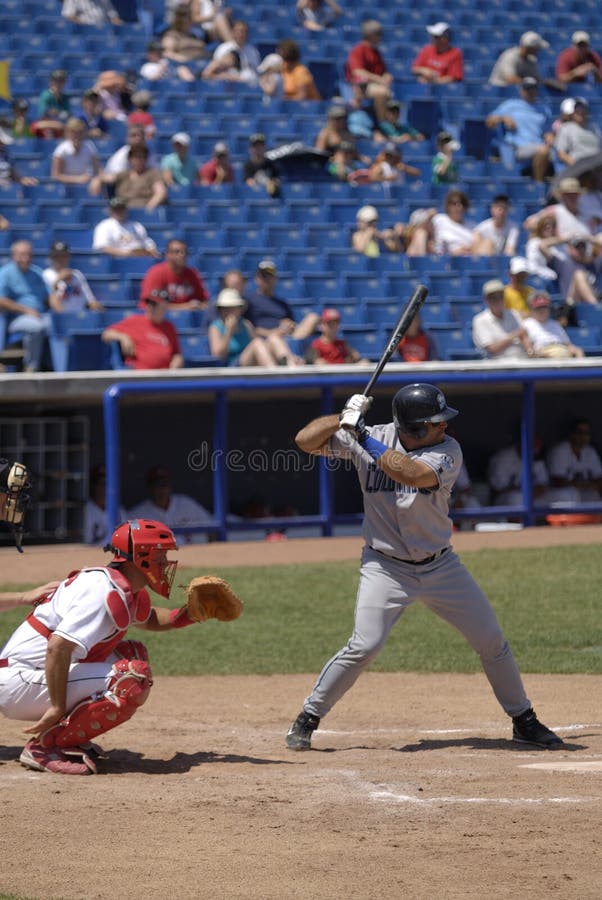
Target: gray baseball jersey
[[402, 521]]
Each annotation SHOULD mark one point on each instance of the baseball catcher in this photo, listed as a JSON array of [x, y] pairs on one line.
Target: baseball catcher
[[69, 667], [14, 484]]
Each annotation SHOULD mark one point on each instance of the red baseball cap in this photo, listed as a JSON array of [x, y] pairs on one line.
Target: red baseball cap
[[331, 315]]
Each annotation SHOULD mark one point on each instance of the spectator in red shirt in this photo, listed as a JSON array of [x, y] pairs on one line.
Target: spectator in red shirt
[[183, 285], [439, 62], [329, 349], [141, 102], [147, 341], [579, 62], [365, 63], [417, 345], [218, 170]]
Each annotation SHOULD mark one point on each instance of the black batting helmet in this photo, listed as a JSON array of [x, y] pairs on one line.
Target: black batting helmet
[[416, 404]]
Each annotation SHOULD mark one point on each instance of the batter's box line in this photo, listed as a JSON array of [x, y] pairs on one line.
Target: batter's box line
[[390, 797]]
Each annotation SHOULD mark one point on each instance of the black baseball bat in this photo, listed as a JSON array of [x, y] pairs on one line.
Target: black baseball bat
[[413, 306]]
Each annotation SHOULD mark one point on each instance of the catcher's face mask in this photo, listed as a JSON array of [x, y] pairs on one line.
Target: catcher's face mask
[[14, 483], [145, 543]]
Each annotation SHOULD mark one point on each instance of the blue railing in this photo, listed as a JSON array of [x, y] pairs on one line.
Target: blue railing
[[327, 517]]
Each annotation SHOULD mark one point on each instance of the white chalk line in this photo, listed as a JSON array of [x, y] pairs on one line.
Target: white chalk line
[[579, 726], [391, 797], [569, 766]]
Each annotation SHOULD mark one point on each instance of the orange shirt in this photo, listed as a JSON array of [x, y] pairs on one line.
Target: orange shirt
[[296, 79], [415, 349]]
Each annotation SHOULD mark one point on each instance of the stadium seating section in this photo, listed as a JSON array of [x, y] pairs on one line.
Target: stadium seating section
[[308, 230]]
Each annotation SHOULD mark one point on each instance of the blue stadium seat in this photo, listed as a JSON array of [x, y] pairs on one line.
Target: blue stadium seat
[[245, 236], [201, 237], [298, 261], [79, 351], [186, 319], [196, 352], [109, 290], [86, 320], [363, 287], [425, 115], [277, 238], [464, 311], [383, 312], [585, 336], [58, 213], [216, 262], [400, 285], [132, 265], [455, 342], [589, 315], [267, 212], [224, 212], [347, 262], [328, 236], [322, 286], [367, 340], [76, 236], [446, 284], [436, 314], [352, 311], [19, 212]]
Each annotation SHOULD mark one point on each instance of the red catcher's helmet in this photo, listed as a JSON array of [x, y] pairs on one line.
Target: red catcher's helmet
[[145, 543]]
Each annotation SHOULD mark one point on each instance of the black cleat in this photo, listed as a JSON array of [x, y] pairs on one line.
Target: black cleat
[[300, 732], [527, 729]]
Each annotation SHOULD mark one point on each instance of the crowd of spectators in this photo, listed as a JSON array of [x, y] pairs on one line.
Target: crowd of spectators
[[204, 41]]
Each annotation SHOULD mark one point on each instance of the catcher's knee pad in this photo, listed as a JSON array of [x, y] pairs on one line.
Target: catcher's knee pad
[[131, 650], [129, 687]]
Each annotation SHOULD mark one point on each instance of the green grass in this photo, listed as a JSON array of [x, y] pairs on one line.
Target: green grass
[[296, 616]]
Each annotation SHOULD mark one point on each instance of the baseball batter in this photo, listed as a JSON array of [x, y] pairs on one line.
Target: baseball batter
[[406, 471], [68, 667]]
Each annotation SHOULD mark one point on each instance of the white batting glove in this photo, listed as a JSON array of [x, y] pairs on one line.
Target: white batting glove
[[354, 410]]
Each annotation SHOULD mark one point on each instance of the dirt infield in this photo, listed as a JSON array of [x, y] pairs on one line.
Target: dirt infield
[[413, 790]]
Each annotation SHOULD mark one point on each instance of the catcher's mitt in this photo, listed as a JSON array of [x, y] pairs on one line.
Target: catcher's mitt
[[210, 597]]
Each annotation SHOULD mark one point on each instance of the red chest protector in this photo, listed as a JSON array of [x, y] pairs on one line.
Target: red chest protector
[[123, 610]]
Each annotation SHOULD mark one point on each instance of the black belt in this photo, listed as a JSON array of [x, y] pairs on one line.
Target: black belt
[[414, 562]]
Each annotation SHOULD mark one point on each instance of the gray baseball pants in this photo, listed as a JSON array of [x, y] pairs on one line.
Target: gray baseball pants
[[386, 588]]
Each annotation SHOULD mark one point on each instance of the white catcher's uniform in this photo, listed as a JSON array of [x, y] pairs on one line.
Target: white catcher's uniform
[[93, 609], [407, 557]]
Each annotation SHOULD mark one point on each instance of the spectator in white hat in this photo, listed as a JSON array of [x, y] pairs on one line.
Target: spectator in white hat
[[517, 63], [438, 62], [517, 292], [232, 338], [179, 167], [219, 169], [578, 63], [570, 222], [498, 331], [579, 137], [369, 239], [567, 108]]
